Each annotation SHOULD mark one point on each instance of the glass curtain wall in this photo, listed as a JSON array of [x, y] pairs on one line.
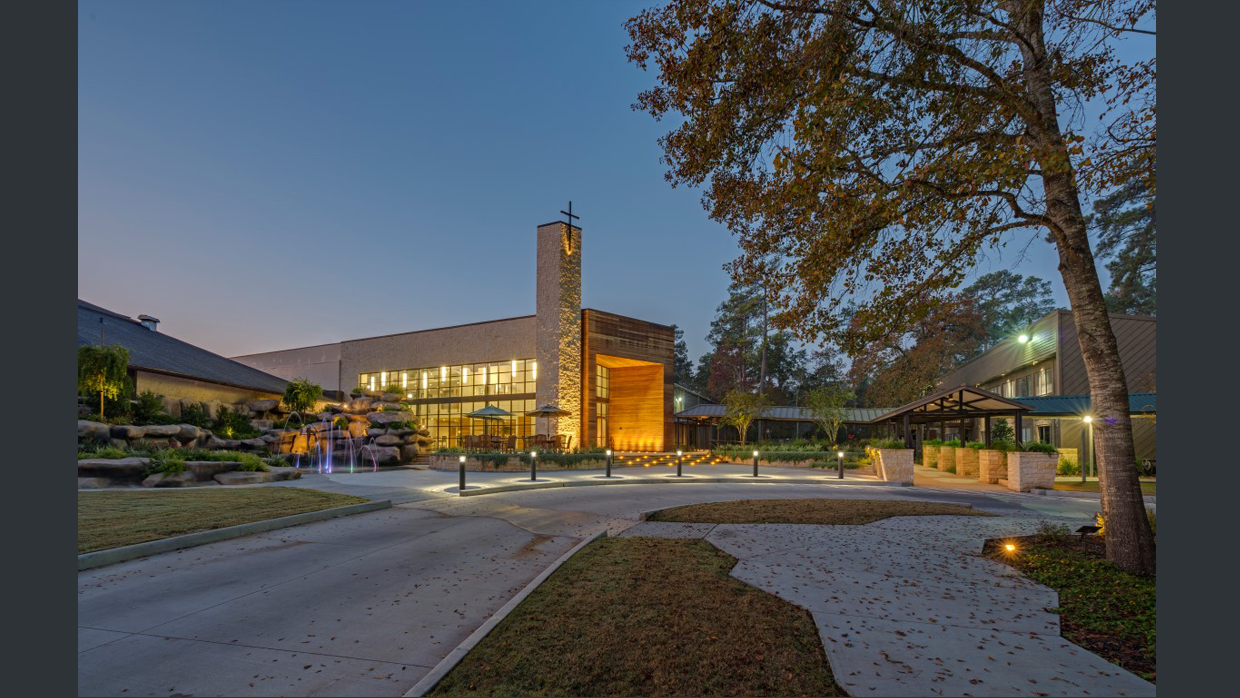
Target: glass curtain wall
[[441, 396]]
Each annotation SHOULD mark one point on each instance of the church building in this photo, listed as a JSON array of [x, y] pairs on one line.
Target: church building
[[611, 374]]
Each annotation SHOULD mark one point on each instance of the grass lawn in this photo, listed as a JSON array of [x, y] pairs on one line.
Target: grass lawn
[[808, 511], [1147, 488], [647, 617], [1101, 608], [112, 519]]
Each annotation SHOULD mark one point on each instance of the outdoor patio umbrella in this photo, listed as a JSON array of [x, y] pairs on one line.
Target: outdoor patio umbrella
[[488, 413], [548, 410]]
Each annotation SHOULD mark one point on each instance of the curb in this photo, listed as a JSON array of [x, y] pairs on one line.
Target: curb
[[1148, 498], [670, 481], [112, 556], [448, 663]]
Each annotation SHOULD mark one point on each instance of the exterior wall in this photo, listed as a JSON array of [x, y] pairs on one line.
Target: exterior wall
[[559, 335], [617, 337], [497, 340], [1137, 336], [1009, 355], [202, 391], [320, 364], [637, 408]]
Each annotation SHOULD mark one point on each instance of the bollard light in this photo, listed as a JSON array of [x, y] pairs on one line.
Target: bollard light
[[461, 487], [679, 453], [533, 466], [755, 464], [840, 455], [608, 463]]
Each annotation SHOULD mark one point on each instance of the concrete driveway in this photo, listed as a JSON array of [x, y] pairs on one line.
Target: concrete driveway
[[366, 605]]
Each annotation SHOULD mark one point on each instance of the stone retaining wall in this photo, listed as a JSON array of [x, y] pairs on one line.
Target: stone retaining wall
[[894, 464], [947, 457], [1028, 470], [967, 462], [991, 466]]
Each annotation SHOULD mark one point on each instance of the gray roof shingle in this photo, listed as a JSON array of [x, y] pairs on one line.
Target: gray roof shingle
[[160, 352]]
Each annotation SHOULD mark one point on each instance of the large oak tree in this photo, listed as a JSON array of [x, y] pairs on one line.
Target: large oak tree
[[872, 150]]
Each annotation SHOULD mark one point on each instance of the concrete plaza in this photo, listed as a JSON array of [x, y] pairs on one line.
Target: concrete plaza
[[367, 605]]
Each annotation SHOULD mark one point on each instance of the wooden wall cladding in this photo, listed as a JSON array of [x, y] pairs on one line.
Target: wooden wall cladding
[[623, 343]]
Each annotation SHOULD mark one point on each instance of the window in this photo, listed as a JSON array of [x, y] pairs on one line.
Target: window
[[1045, 383], [1044, 433], [602, 382], [603, 410]]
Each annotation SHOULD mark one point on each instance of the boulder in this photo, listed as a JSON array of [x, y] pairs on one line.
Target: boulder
[[255, 444], [391, 397], [360, 405], [213, 408], [388, 440], [423, 441], [385, 455], [402, 432], [390, 406], [93, 430], [93, 483], [215, 443], [261, 406], [409, 452], [162, 431], [325, 416], [281, 473], [189, 432], [334, 407], [171, 405], [242, 409], [357, 430], [185, 479], [376, 432], [130, 469], [424, 432], [208, 469], [127, 432], [389, 416], [238, 477], [189, 402]]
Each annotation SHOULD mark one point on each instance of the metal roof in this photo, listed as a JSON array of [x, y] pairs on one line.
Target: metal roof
[[783, 413], [962, 401], [1079, 405], [156, 351]]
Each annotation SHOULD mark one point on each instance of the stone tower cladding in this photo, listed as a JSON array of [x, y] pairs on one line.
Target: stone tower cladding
[[558, 341]]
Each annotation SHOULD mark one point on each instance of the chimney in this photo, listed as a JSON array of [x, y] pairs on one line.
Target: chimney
[[150, 323]]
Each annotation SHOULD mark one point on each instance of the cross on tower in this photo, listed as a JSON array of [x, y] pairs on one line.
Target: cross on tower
[[570, 215]]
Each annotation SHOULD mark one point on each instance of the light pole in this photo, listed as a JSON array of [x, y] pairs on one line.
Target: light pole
[[460, 490], [840, 455], [533, 466]]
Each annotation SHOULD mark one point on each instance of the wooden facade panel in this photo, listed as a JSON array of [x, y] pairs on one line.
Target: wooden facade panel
[[636, 420], [1137, 337], [624, 338]]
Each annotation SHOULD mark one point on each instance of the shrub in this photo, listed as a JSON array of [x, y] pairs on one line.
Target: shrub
[[149, 409], [890, 443], [275, 461], [300, 395], [1002, 445], [976, 445], [954, 443], [932, 442], [358, 391], [233, 425], [1067, 466], [1048, 529], [104, 452], [168, 461], [250, 463], [194, 413], [1038, 447]]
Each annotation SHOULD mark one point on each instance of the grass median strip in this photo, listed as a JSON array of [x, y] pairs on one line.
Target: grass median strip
[[1149, 489], [647, 617], [808, 511], [1101, 608], [114, 519]]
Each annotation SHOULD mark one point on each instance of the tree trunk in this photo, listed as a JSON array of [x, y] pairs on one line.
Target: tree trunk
[[1129, 540]]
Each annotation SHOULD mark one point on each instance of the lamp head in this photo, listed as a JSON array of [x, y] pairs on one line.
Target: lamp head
[[1023, 339]]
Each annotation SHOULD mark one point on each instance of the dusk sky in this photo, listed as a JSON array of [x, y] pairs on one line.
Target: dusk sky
[[266, 175]]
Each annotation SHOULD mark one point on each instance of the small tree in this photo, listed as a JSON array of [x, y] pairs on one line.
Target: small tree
[[102, 370], [742, 409], [1001, 430], [826, 405], [301, 394]]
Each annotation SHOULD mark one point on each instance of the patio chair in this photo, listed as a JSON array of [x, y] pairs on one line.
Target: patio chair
[[510, 444]]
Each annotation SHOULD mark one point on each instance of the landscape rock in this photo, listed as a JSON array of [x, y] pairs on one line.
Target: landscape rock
[[171, 405], [256, 443], [391, 397], [388, 440], [189, 432], [424, 432], [238, 477], [262, 424], [402, 432], [284, 473], [357, 430], [409, 452], [93, 483], [385, 455], [162, 431], [376, 431], [113, 468], [93, 430], [390, 406], [185, 479], [127, 432], [207, 469], [389, 417], [261, 406], [360, 405]]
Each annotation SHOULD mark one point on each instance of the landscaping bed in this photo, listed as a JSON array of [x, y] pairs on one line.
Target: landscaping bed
[[808, 511], [1148, 488], [1101, 608], [647, 617], [114, 519]]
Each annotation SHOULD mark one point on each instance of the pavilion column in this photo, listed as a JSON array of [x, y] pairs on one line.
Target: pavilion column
[[1019, 428], [986, 427], [908, 432]]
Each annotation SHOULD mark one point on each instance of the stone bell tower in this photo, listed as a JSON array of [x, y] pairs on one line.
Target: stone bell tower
[[559, 326]]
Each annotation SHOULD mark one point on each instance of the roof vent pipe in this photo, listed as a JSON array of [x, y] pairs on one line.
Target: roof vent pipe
[[150, 323]]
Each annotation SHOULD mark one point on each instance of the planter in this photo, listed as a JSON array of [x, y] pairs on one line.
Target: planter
[[991, 466], [1028, 470], [966, 462], [929, 456], [894, 464], [947, 457]]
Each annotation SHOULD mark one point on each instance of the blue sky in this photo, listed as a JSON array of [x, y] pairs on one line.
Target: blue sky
[[264, 175]]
